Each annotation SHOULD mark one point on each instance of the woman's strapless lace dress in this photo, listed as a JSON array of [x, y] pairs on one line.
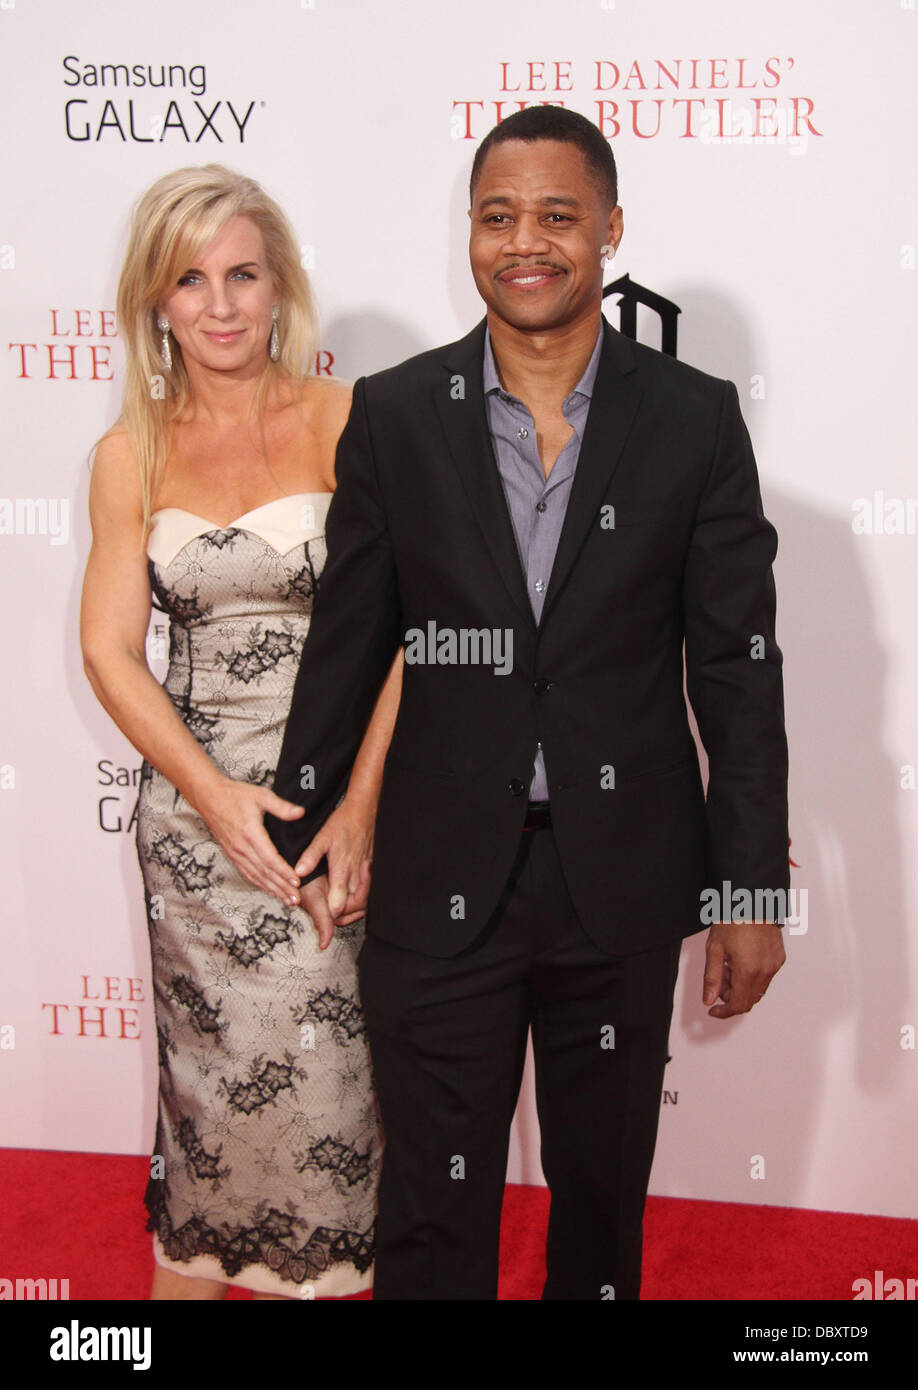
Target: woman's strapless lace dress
[[267, 1147]]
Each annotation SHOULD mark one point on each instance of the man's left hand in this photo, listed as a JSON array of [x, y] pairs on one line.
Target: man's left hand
[[314, 900], [346, 841], [741, 960]]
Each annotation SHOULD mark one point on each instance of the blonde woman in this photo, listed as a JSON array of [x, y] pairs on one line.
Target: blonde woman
[[208, 500]]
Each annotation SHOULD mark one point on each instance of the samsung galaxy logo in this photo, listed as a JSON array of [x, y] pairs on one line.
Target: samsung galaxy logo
[[150, 118], [139, 75]]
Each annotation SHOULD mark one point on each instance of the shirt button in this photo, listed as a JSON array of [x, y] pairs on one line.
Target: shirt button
[[522, 433], [541, 506], [539, 585]]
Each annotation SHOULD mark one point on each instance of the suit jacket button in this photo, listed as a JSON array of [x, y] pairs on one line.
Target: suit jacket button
[[516, 786], [541, 685]]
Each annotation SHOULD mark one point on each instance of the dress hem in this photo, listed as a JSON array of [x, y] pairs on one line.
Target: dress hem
[[338, 1282]]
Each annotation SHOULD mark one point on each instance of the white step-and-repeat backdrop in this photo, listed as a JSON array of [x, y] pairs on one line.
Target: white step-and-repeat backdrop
[[767, 169]]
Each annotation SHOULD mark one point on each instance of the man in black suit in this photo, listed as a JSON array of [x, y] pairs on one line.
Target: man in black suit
[[542, 514]]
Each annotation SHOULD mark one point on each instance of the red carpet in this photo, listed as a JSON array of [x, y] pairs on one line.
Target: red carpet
[[81, 1216]]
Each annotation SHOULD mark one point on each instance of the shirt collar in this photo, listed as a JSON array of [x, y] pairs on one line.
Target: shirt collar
[[584, 386]]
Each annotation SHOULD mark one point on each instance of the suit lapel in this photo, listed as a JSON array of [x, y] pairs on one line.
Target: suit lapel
[[461, 407], [613, 406]]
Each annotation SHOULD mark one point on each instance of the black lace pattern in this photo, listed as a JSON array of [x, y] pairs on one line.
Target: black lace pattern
[[268, 1148]]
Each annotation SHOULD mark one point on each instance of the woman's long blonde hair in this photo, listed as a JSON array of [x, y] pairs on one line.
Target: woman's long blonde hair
[[172, 224]]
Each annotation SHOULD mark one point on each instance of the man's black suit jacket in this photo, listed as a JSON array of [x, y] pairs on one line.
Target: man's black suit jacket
[[419, 533]]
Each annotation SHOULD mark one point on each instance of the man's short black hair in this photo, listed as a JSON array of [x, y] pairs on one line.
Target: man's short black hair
[[555, 123]]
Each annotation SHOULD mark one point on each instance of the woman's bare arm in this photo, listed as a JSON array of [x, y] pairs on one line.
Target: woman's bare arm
[[365, 782], [346, 838]]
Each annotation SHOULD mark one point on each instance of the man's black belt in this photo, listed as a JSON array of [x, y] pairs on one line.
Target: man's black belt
[[538, 816]]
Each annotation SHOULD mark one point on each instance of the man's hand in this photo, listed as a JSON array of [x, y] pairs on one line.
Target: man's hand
[[314, 900], [742, 958], [346, 840]]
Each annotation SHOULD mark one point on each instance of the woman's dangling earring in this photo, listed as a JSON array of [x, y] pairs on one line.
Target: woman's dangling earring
[[274, 344], [165, 351]]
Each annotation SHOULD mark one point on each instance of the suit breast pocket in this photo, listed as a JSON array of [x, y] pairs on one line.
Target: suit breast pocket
[[623, 514], [419, 769]]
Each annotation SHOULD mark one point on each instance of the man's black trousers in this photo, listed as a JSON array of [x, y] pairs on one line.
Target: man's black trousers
[[448, 1043]]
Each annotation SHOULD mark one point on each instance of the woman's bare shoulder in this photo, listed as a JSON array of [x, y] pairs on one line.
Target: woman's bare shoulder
[[115, 480], [330, 398], [115, 444]]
